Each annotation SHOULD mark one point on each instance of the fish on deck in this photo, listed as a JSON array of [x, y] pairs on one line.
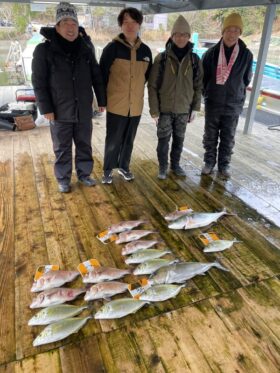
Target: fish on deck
[[100, 274], [105, 290], [119, 308], [181, 272], [52, 297], [53, 279]]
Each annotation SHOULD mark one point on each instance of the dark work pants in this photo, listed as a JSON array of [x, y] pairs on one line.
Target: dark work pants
[[63, 134], [219, 129], [175, 125], [120, 135]]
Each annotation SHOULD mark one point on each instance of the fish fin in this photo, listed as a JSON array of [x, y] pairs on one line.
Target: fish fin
[[218, 265]]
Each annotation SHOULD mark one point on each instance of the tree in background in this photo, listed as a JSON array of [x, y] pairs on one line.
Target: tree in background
[[20, 16]]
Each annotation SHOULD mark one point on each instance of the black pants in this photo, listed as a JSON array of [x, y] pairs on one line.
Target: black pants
[[219, 129], [120, 135], [175, 125], [63, 134]]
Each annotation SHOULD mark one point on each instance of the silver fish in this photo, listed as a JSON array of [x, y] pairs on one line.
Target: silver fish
[[146, 254], [99, 274], [125, 226], [177, 214], [196, 220], [132, 235], [159, 293], [53, 314], [119, 308], [105, 290], [60, 330], [219, 245], [53, 279], [150, 266], [55, 296], [133, 247], [180, 272]]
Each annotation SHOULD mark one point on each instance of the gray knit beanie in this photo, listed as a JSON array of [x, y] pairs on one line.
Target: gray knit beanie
[[66, 10]]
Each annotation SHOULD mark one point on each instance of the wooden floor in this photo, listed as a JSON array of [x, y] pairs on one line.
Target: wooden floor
[[220, 322]]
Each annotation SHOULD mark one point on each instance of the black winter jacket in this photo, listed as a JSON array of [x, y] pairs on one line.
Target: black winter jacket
[[63, 85], [229, 98]]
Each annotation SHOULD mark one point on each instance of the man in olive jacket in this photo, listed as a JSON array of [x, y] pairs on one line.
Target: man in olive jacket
[[227, 72], [64, 70], [175, 85]]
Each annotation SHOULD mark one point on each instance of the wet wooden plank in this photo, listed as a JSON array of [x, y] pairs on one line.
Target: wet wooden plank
[[7, 261], [263, 299], [82, 357], [43, 363], [119, 353], [30, 249]]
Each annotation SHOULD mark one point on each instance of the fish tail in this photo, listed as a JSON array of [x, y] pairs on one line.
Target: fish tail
[[218, 265]]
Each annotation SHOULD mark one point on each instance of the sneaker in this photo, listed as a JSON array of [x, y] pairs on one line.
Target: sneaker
[[178, 170], [224, 173], [64, 188], [107, 177], [207, 169], [87, 181], [162, 175], [127, 175]]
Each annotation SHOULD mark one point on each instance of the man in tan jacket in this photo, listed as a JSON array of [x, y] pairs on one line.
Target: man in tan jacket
[[125, 65], [175, 85]]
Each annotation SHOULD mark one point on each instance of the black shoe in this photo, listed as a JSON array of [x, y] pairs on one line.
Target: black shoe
[[64, 188], [224, 173], [87, 181], [162, 175], [207, 169], [127, 175], [107, 177], [178, 170]]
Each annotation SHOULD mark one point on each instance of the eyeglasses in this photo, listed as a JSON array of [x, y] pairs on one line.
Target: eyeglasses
[[181, 35]]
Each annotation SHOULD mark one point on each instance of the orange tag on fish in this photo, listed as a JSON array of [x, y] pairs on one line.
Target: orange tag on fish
[[44, 269], [102, 234], [138, 288], [113, 238], [88, 266], [206, 238], [183, 208]]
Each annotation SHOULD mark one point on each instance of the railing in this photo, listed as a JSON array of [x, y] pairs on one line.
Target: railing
[[270, 70]]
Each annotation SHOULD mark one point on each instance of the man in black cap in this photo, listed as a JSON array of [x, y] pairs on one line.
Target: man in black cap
[[64, 70]]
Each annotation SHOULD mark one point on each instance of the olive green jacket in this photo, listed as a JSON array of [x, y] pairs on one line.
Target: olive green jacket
[[179, 92]]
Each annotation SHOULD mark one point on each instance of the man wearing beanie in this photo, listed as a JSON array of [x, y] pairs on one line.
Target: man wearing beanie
[[64, 71], [174, 86], [227, 73]]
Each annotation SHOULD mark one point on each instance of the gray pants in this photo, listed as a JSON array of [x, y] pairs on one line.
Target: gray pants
[[175, 125], [63, 134], [219, 129]]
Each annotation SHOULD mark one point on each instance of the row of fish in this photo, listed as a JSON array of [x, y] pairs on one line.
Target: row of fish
[[167, 278]]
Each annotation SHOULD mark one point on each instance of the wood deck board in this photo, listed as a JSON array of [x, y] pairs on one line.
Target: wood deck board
[[222, 334], [7, 262], [38, 225]]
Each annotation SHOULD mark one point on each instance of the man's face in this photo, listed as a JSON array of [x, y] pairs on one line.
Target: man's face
[[181, 39], [130, 27], [68, 29], [231, 35]]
